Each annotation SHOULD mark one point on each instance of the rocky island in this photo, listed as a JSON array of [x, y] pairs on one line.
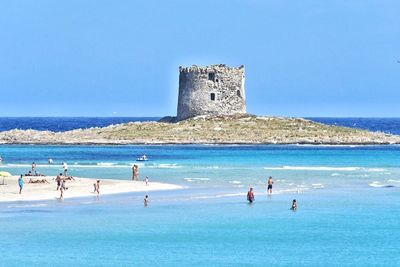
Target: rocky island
[[211, 110], [235, 129]]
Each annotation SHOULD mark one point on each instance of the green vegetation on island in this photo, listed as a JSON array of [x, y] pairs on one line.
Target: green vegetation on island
[[240, 129]]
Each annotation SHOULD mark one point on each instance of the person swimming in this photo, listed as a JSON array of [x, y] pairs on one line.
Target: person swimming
[[250, 195], [294, 205]]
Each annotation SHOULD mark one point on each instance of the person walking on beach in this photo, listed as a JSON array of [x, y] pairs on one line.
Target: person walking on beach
[[146, 180], [98, 187], [65, 167], [250, 195], [269, 188], [294, 205], [58, 181], [20, 183], [146, 201], [62, 189]]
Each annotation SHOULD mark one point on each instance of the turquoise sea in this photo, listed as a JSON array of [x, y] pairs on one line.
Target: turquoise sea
[[348, 197]]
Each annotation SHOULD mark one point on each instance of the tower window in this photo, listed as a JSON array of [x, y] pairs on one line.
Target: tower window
[[238, 93], [212, 96], [211, 76]]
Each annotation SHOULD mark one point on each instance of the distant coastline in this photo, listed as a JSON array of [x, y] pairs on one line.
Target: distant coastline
[[241, 129]]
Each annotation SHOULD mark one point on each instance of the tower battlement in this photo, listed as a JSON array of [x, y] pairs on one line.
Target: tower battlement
[[211, 90]]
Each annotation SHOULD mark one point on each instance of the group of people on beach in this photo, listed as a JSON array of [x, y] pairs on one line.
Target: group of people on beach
[[270, 182], [135, 174], [60, 179], [63, 177]]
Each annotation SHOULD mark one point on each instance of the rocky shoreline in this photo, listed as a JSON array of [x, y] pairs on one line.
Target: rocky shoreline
[[242, 129]]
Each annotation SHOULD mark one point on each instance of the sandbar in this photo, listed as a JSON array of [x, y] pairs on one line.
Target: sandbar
[[80, 187]]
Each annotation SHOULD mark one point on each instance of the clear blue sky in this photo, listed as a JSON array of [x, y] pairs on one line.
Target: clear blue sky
[[121, 58]]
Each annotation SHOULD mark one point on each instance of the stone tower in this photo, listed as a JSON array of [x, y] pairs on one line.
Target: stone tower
[[211, 90]]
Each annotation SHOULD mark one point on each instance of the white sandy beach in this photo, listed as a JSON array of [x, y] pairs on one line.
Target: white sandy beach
[[81, 187]]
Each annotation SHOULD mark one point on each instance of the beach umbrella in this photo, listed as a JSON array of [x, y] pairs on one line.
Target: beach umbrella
[[4, 174]]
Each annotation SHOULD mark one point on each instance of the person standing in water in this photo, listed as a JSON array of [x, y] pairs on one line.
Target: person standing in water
[[50, 161], [250, 195], [33, 167], [65, 167], [294, 205], [146, 180], [136, 173], [146, 201], [20, 183], [269, 188]]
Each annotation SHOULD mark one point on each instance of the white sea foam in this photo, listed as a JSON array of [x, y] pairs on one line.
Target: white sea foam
[[164, 166], [376, 184], [324, 168], [105, 164], [201, 179], [235, 182], [379, 184], [318, 186], [393, 181], [27, 206]]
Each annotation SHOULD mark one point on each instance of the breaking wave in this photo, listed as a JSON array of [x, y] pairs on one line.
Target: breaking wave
[[324, 168], [196, 179]]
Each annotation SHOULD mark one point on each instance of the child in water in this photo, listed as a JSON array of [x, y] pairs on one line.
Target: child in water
[[294, 205]]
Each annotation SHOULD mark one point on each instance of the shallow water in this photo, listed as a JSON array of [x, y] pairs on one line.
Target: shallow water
[[348, 208]]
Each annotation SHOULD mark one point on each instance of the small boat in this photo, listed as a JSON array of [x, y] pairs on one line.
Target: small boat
[[142, 158]]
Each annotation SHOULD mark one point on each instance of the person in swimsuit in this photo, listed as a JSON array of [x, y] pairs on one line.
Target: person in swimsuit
[[20, 183], [58, 180], [136, 173], [65, 167], [146, 201], [98, 187], [269, 188], [294, 205], [250, 195], [62, 189], [146, 180]]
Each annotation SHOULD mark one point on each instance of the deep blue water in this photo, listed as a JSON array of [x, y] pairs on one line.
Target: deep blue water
[[59, 124], [349, 201], [386, 125]]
